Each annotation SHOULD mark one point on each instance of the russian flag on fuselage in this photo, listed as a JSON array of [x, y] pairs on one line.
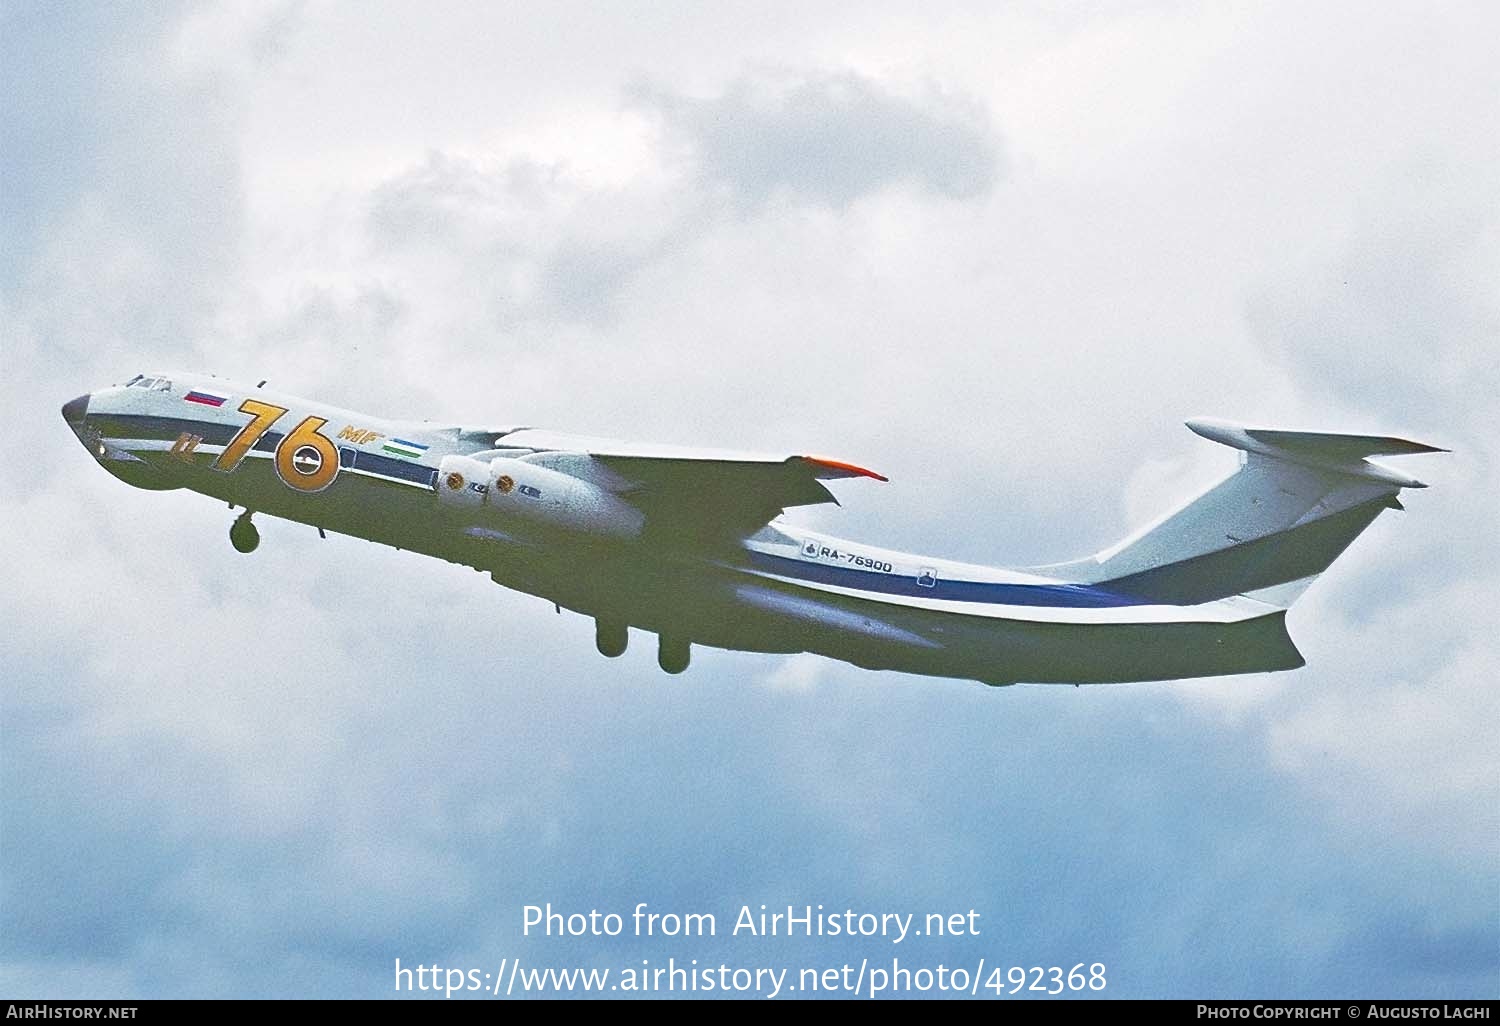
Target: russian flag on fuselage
[[203, 397]]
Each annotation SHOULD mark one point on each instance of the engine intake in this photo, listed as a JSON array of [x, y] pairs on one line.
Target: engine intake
[[512, 489]]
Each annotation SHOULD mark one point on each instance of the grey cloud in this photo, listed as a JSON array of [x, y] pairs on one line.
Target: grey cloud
[[1395, 331], [1399, 326], [1403, 319], [437, 199], [546, 245], [830, 138], [536, 244], [343, 328]]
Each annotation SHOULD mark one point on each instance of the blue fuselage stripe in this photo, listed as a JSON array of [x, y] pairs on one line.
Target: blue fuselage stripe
[[391, 466], [1068, 596], [134, 425]]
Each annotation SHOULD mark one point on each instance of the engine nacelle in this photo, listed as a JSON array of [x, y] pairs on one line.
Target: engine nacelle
[[505, 489]]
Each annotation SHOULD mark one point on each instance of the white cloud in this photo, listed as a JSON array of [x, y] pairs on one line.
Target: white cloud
[[797, 673], [828, 138], [1401, 740]]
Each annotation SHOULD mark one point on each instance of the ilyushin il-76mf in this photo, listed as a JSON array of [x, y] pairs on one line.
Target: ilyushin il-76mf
[[688, 544]]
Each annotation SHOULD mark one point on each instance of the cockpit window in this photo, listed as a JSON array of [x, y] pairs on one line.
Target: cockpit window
[[132, 381], [156, 384]]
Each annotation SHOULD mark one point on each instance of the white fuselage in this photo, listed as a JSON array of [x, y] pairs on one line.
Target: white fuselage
[[782, 589]]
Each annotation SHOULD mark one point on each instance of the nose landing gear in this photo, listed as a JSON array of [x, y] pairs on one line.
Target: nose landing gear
[[243, 534]]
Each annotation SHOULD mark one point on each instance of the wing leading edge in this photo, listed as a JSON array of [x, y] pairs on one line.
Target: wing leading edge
[[707, 494]]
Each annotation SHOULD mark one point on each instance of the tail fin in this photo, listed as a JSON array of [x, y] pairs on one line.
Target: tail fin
[[1297, 501]]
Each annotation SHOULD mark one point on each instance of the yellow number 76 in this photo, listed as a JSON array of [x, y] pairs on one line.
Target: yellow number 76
[[305, 459]]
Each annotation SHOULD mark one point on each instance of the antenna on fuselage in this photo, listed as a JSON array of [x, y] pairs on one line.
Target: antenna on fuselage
[[262, 383]]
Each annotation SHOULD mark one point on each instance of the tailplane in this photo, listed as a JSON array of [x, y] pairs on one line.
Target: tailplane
[[1295, 503]]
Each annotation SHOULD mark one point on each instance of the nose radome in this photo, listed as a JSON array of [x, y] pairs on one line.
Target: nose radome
[[73, 411]]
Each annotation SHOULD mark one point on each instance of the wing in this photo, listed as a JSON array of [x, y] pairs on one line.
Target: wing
[[708, 494]]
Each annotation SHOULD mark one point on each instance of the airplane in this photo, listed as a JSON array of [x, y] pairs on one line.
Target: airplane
[[690, 544]]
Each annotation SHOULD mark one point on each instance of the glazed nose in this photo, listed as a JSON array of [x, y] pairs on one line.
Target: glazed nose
[[73, 412]]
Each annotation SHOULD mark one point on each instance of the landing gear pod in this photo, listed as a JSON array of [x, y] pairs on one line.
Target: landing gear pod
[[673, 654], [611, 637]]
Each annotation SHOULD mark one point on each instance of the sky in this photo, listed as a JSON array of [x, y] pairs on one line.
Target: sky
[[997, 252]]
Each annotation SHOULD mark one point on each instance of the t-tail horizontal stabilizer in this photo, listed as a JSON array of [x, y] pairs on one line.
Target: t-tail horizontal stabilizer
[[1295, 503], [1342, 454]]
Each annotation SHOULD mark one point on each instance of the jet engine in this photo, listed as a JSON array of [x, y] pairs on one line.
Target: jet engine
[[506, 489]]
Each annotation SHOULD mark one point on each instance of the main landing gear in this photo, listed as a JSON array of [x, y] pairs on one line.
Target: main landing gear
[[673, 654], [244, 535], [611, 637]]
